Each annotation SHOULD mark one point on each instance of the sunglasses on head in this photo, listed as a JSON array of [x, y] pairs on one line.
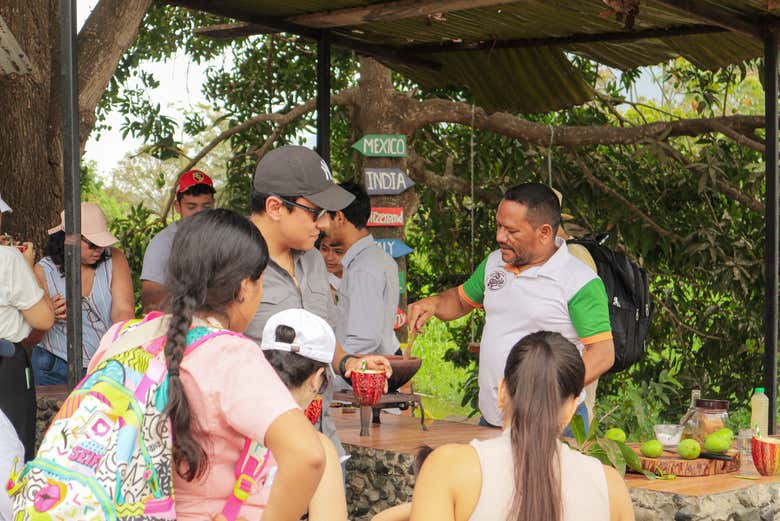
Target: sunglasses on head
[[318, 213]]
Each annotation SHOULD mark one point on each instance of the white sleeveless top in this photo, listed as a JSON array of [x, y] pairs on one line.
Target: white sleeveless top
[[583, 482]]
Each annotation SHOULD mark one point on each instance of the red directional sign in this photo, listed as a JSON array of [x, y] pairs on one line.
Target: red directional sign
[[386, 217]]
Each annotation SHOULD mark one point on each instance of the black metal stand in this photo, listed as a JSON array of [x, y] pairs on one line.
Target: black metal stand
[[323, 96]]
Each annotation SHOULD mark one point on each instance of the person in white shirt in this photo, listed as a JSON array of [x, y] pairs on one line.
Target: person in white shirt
[[25, 313], [11, 455]]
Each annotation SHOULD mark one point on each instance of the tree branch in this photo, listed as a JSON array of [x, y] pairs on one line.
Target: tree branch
[[444, 183], [738, 137], [722, 185], [433, 111], [628, 204], [682, 324], [108, 32], [345, 97]]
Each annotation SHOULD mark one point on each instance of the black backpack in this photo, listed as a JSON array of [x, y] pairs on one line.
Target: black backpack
[[630, 305]]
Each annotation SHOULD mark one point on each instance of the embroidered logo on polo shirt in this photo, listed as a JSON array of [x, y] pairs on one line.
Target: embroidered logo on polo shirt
[[496, 281]]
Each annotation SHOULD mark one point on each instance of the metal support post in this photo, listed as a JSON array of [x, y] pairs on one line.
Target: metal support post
[[323, 96]]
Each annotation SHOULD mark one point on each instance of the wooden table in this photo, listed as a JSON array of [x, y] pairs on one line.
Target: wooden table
[[379, 475]]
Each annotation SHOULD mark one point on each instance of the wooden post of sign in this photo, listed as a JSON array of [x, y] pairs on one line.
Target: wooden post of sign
[[376, 115]]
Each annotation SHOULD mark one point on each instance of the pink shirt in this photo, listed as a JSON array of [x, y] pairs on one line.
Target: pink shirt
[[233, 393]]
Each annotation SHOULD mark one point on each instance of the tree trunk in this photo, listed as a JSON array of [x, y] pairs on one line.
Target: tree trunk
[[30, 126], [31, 121], [376, 111]]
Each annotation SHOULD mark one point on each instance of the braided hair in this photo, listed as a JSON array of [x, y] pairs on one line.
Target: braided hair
[[212, 253]]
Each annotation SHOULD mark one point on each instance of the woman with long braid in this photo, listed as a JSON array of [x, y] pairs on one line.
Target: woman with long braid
[[225, 391], [526, 474]]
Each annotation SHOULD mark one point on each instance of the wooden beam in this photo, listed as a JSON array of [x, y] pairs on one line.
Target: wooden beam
[[716, 16], [562, 41], [268, 24], [388, 12], [232, 30]]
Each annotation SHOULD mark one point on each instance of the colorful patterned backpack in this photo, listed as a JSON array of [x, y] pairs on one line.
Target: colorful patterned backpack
[[108, 452]]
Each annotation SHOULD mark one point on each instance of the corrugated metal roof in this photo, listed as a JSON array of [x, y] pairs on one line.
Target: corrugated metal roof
[[535, 78]]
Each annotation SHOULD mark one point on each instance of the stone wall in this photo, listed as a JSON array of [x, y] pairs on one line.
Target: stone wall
[[378, 479], [760, 502]]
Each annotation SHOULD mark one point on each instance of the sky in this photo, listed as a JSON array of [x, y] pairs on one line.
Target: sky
[[180, 85]]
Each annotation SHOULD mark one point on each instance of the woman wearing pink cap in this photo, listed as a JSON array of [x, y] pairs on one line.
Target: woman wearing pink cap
[[106, 289]]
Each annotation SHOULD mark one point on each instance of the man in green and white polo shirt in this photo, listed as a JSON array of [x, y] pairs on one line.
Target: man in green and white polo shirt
[[531, 283]]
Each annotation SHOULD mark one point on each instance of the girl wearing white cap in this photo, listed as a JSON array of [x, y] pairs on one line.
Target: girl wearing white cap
[[299, 345], [106, 288]]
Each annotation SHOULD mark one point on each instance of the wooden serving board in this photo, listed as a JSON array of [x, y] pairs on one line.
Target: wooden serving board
[[671, 463]]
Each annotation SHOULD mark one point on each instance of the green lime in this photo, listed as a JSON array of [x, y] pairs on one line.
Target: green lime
[[616, 434], [725, 431], [689, 449], [651, 449], [717, 442]]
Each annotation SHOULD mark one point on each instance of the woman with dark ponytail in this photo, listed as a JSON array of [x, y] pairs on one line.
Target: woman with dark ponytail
[[225, 392], [526, 474]]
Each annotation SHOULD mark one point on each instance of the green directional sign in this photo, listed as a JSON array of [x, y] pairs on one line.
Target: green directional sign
[[402, 281], [382, 145]]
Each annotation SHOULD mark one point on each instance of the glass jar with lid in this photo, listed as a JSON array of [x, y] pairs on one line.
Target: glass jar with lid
[[710, 416]]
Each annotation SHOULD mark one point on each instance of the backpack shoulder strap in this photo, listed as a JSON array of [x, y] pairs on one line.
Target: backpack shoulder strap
[[249, 468]]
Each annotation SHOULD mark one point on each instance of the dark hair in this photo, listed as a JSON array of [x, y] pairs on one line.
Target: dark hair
[[203, 275], [292, 368], [359, 210], [257, 201], [541, 203], [543, 370], [55, 250], [423, 451], [198, 189]]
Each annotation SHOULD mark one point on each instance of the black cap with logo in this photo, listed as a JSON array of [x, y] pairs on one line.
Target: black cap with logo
[[294, 170]]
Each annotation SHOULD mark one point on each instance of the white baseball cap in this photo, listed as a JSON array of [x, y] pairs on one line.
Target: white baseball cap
[[314, 338], [4, 206]]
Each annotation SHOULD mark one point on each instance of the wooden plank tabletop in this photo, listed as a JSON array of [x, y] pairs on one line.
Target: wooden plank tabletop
[[402, 433], [698, 486]]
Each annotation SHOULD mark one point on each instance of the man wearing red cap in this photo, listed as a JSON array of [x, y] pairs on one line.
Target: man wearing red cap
[[194, 193]]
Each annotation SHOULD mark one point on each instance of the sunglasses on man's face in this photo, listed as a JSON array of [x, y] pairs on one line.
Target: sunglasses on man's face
[[318, 213], [91, 245]]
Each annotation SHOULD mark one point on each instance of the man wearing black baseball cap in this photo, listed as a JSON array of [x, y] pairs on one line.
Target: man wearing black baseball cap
[[292, 193]]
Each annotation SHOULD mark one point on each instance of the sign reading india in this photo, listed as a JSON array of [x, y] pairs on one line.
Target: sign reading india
[[394, 247], [381, 145], [400, 319], [386, 181], [386, 216]]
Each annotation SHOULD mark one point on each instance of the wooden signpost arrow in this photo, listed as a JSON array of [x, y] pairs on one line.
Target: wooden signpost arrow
[[386, 181], [381, 145], [384, 216], [396, 248]]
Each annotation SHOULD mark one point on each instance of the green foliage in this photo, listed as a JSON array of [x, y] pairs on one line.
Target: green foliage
[[134, 232], [640, 405]]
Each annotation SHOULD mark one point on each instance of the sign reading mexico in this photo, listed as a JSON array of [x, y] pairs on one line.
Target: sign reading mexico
[[381, 145], [386, 181], [383, 216]]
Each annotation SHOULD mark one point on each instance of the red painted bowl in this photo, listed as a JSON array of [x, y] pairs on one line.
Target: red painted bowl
[[314, 410], [369, 386], [766, 455]]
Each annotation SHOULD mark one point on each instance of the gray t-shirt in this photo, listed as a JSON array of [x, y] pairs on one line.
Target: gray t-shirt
[[367, 300], [157, 254]]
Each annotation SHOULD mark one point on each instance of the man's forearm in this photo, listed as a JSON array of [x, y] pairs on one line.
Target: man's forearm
[[598, 358], [451, 306]]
